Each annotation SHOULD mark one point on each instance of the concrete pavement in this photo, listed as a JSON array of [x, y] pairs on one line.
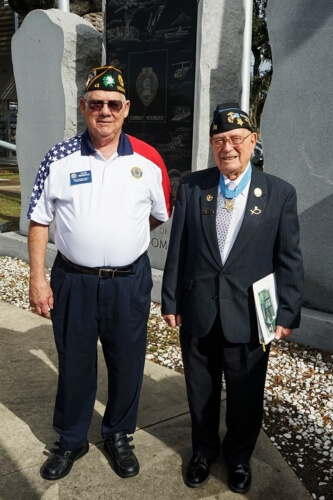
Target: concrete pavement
[[28, 378]]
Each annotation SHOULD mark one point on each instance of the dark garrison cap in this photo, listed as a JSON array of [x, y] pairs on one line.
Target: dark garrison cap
[[105, 78], [227, 117]]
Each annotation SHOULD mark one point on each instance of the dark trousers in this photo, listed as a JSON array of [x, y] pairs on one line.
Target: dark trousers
[[116, 311], [244, 367]]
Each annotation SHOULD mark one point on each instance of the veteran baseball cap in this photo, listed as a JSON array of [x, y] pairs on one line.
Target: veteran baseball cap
[[227, 117], [105, 78]]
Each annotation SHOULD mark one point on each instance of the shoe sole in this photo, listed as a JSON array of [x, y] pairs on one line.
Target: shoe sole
[[80, 455], [125, 476], [197, 485], [238, 490], [116, 468]]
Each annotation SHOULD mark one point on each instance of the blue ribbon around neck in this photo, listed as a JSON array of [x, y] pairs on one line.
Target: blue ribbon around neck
[[233, 193]]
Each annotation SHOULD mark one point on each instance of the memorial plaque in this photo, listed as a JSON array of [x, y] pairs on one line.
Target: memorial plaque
[[153, 43]]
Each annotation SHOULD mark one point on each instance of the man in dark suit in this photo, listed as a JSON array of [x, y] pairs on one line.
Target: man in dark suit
[[224, 238]]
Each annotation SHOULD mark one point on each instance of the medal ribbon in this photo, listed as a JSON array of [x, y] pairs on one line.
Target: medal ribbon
[[233, 193]]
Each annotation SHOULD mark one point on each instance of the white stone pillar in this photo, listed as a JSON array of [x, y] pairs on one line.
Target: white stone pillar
[[219, 56], [52, 53], [296, 132]]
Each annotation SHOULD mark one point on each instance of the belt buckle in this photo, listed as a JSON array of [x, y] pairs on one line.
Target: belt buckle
[[106, 273]]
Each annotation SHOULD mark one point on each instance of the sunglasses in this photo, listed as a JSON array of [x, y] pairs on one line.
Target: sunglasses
[[96, 105]]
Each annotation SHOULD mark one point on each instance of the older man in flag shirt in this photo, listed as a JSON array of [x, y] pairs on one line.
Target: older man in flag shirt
[[105, 190]]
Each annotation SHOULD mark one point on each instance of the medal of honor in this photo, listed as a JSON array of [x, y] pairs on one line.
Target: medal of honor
[[229, 204], [230, 193]]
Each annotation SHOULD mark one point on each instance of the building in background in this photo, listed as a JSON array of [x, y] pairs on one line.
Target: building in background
[[9, 23], [8, 99]]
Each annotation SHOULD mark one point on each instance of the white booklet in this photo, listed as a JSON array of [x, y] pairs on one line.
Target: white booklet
[[266, 302]]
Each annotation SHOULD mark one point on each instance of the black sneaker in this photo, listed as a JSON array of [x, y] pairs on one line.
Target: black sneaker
[[125, 462], [60, 464]]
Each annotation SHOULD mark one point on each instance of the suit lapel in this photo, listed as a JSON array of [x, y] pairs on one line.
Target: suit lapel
[[255, 206], [208, 205]]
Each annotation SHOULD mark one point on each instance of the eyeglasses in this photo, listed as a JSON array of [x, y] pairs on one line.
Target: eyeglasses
[[235, 140], [96, 105]]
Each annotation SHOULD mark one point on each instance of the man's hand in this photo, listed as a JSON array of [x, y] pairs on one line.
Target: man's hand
[[173, 320], [282, 333], [41, 297], [40, 293]]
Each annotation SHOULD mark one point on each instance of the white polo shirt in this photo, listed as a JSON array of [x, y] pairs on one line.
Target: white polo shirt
[[101, 208]]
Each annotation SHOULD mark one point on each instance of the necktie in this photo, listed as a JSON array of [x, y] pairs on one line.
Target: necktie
[[223, 219]]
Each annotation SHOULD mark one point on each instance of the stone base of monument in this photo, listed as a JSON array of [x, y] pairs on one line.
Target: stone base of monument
[[14, 244], [316, 326], [316, 330]]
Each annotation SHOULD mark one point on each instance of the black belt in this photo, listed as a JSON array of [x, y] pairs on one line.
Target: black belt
[[106, 272]]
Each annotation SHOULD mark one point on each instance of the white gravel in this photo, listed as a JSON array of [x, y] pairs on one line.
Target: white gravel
[[299, 388]]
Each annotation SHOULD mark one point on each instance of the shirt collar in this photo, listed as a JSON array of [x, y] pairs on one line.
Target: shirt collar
[[237, 181], [124, 145]]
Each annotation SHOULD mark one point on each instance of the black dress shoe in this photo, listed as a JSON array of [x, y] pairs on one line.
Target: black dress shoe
[[239, 478], [61, 462], [125, 462], [198, 472]]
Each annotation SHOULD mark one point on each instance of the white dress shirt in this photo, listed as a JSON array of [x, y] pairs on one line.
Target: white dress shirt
[[237, 214]]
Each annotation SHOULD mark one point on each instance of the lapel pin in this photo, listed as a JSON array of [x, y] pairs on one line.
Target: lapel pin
[[256, 210], [257, 192], [209, 197]]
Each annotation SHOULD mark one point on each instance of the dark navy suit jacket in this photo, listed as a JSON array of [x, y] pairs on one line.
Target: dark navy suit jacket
[[197, 285]]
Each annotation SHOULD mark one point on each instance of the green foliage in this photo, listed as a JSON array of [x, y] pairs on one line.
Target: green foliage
[[262, 68], [10, 208], [10, 202]]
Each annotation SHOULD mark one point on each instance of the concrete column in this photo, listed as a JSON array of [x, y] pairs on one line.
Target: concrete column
[[218, 68], [52, 53], [295, 130]]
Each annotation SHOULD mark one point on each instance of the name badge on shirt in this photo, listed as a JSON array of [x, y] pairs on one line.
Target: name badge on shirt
[[80, 177]]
